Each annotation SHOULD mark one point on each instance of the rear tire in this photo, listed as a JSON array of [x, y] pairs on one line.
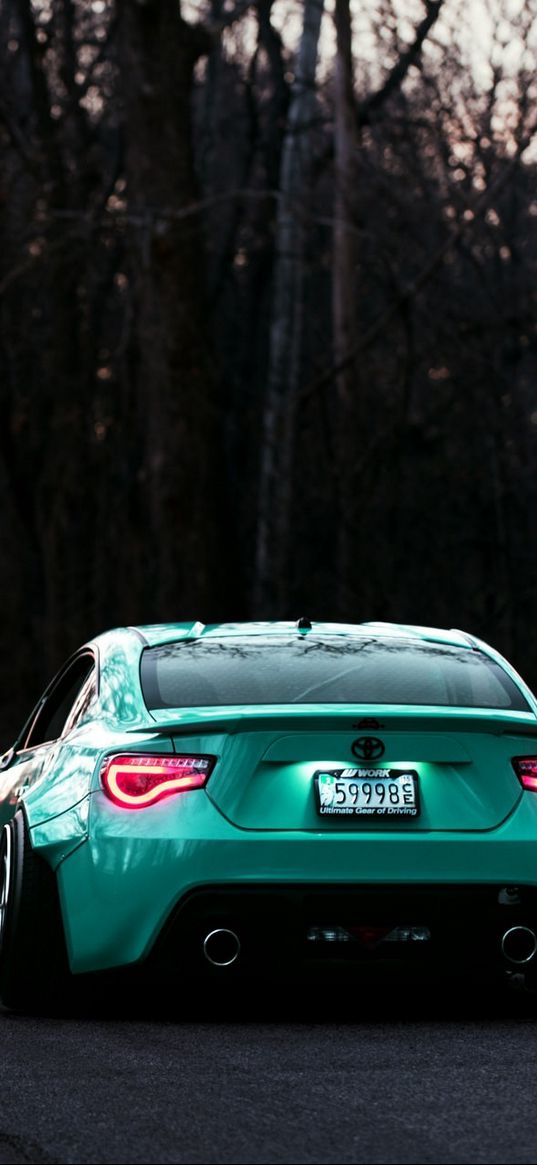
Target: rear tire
[[33, 958]]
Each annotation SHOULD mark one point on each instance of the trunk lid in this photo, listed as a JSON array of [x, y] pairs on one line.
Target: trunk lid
[[264, 776]]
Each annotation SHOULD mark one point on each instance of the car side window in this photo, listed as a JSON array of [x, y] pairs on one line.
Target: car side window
[[63, 702], [83, 701]]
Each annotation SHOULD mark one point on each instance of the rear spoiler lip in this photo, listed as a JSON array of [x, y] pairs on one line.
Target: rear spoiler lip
[[270, 717]]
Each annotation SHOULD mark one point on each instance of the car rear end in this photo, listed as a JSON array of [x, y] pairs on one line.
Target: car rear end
[[380, 815]]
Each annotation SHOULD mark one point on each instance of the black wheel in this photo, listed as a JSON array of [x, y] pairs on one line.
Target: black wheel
[[33, 958]]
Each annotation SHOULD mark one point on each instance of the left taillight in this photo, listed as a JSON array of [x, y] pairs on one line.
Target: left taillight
[[526, 770], [136, 781]]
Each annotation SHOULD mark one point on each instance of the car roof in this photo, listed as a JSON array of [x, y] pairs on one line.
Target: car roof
[[159, 633]]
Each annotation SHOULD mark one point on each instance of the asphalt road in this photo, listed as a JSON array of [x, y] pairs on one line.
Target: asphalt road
[[407, 1080]]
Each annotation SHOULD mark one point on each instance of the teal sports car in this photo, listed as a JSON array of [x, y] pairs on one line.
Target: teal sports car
[[207, 804]]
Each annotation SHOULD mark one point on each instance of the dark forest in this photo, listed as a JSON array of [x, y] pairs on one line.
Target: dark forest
[[268, 319]]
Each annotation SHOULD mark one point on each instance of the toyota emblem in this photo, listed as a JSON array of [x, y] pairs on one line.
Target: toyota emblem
[[368, 748]]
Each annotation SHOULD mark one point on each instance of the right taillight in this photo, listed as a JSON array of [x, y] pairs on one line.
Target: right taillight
[[526, 770]]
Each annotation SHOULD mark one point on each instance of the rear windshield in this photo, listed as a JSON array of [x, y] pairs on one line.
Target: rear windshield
[[303, 670]]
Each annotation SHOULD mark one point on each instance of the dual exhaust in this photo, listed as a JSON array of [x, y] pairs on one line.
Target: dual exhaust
[[222, 947]]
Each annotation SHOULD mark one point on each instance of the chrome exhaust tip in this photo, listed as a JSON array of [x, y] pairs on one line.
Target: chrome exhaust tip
[[221, 947], [519, 944]]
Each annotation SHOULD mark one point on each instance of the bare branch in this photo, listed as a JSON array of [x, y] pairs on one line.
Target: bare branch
[[412, 289], [397, 75]]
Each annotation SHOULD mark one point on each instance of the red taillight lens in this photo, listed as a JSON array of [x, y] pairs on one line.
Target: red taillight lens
[[137, 781], [526, 770]]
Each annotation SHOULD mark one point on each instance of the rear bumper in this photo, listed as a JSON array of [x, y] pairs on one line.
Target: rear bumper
[[324, 930], [123, 890]]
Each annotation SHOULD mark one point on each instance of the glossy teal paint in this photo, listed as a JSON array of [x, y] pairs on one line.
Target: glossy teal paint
[[120, 872], [59, 836], [120, 699]]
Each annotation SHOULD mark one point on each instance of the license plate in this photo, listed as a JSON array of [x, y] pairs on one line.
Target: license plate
[[367, 792]]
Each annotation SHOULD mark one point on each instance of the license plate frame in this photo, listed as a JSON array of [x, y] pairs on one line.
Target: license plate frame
[[367, 803]]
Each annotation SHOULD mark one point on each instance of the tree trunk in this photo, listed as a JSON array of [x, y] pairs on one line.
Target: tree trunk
[[175, 553], [343, 287], [279, 414]]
